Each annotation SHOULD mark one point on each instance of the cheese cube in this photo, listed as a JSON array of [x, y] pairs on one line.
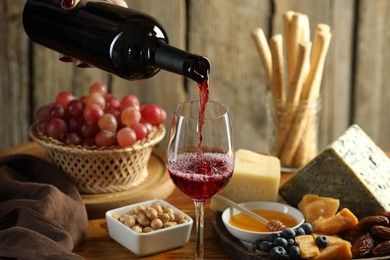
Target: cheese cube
[[353, 169], [256, 177]]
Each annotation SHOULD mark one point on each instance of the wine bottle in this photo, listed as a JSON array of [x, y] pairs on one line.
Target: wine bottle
[[125, 42]]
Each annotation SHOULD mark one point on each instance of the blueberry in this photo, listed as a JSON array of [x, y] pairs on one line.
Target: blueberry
[[288, 233], [322, 241], [307, 227], [256, 245], [290, 242], [280, 241], [265, 246], [278, 253], [273, 236], [299, 231], [294, 252]]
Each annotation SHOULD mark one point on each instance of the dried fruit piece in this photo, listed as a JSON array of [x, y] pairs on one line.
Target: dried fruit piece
[[381, 249], [350, 234], [381, 232], [368, 222], [362, 246], [385, 214]]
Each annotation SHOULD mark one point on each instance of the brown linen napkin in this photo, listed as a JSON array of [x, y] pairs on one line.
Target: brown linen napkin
[[42, 215]]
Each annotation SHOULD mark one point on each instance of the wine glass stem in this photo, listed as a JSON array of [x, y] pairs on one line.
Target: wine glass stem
[[199, 208]]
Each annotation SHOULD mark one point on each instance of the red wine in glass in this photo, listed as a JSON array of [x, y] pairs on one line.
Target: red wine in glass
[[200, 157], [201, 179]]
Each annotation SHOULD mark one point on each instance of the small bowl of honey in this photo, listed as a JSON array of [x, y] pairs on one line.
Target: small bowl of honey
[[249, 230]]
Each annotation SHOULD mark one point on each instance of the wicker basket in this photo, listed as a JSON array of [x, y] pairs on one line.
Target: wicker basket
[[101, 170]]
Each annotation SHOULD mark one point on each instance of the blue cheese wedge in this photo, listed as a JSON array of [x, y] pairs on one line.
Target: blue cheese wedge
[[353, 169], [256, 177]]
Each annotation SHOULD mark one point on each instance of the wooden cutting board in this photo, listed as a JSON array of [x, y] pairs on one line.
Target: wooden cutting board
[[237, 250], [156, 186], [231, 245]]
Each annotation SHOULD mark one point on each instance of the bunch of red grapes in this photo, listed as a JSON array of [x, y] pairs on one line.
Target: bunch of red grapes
[[98, 119]]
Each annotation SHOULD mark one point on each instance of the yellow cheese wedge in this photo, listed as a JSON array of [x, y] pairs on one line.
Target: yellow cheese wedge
[[313, 207], [344, 219], [256, 177], [340, 251], [307, 246]]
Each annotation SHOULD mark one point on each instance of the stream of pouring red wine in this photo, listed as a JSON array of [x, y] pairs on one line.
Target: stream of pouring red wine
[[203, 97]]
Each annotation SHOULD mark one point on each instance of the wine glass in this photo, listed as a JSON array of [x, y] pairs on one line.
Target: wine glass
[[200, 156]]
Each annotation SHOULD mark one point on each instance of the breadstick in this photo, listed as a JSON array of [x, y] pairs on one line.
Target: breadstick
[[276, 46], [305, 37], [310, 91], [299, 76], [307, 148], [293, 96], [305, 33], [264, 52], [287, 20], [320, 48], [305, 151], [294, 136], [294, 34]]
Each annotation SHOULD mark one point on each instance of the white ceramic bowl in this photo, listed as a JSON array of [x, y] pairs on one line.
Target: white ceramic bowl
[[251, 236], [148, 243]]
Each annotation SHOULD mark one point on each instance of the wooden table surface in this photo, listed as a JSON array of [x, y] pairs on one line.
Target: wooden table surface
[[99, 245]]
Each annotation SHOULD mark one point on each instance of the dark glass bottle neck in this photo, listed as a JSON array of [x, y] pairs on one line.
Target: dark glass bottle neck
[[181, 62]]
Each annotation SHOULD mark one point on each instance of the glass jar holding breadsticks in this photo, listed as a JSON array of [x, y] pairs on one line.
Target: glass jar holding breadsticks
[[293, 107], [293, 133]]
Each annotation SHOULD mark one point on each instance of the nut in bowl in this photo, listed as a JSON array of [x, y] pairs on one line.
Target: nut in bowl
[[149, 227], [249, 230]]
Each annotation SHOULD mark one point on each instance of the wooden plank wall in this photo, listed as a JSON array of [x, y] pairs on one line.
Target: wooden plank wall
[[354, 87]]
